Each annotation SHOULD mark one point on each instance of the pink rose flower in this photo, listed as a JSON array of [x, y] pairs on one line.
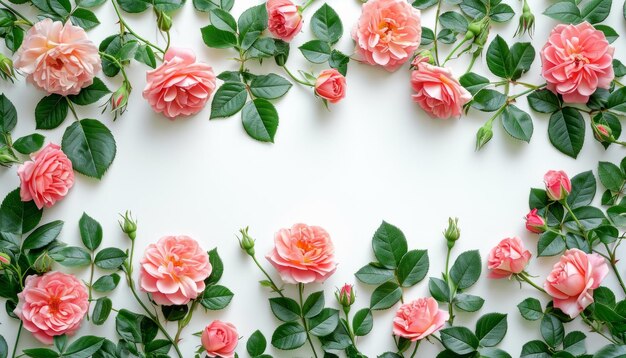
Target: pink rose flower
[[284, 19], [437, 91], [387, 33], [303, 254], [331, 85], [418, 319], [47, 177], [345, 295], [573, 279], [58, 58], [577, 60], [535, 223], [558, 185], [52, 305], [174, 269], [509, 257], [220, 339], [180, 85]]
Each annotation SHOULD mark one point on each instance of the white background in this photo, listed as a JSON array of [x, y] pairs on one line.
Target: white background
[[374, 156]]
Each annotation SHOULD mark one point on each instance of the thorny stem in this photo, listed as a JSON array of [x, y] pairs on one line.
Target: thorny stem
[[125, 24], [90, 283], [452, 289], [580, 226], [306, 327]]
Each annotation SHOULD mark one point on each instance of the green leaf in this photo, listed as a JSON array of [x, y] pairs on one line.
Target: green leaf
[[256, 344], [566, 131], [589, 217], [326, 24], [175, 312], [453, 21], [217, 268], [269, 86], [583, 190], [611, 350], [574, 343], [617, 100], [128, 325], [60, 7], [473, 82], [285, 308], [324, 323], [134, 6], [216, 297], [339, 61], [385, 296], [91, 94], [145, 55], [413, 267], [459, 340], [263, 47], [83, 347], [501, 13], [544, 101], [228, 100], [619, 68], [223, 20], [4, 347], [101, 310], [17, 216], [550, 244], [373, 275], [564, 11], [289, 336], [389, 245], [611, 176], [530, 309], [466, 269], [473, 8], [90, 232], [40, 353], [251, 23], [158, 347], [522, 57], [517, 123], [439, 289], [313, 305], [51, 111], [488, 100], [208, 5], [260, 120], [535, 349], [43, 235], [610, 34], [363, 322], [110, 258], [552, 330], [8, 114], [29, 144], [106, 283], [216, 38], [423, 4], [316, 51], [491, 329], [71, 256], [90, 3], [90, 146], [84, 18], [595, 11], [428, 36], [281, 54], [468, 303], [499, 57]]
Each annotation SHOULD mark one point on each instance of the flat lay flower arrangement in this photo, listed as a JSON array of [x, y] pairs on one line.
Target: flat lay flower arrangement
[[176, 278]]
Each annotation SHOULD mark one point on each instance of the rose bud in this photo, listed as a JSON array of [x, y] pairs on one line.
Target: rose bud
[[508, 258], [246, 242], [526, 21], [5, 259], [331, 85], [345, 296], [535, 223], [119, 99], [558, 185], [452, 233], [6, 68], [603, 133], [7, 157], [164, 21], [128, 225]]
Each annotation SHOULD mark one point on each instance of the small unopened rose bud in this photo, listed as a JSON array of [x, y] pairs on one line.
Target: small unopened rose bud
[[535, 223], [603, 133], [119, 99], [128, 225], [6, 68], [43, 263], [484, 135], [526, 21], [7, 157], [246, 242], [164, 20], [5, 260], [424, 56], [452, 232], [345, 295], [558, 185]]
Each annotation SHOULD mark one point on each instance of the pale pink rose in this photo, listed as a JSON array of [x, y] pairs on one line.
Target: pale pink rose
[[52, 305], [284, 19], [558, 185], [573, 279], [331, 85], [437, 91], [577, 60], [509, 257], [174, 269], [303, 254], [418, 319], [180, 85], [47, 177], [387, 33], [58, 58], [535, 223], [220, 339]]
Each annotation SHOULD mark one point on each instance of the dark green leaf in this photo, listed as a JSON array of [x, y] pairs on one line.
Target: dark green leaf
[[530, 309], [564, 11], [228, 100], [385, 296], [466, 269], [216, 297], [216, 38], [583, 189], [517, 123], [544, 101], [313, 304], [550, 244], [468, 303], [324, 323], [373, 275], [439, 289], [43, 235], [8, 114], [316, 51], [90, 232], [552, 330], [260, 120], [217, 268], [488, 100], [71, 256], [363, 322], [473, 82], [459, 340], [90, 146], [269, 86], [29, 144], [51, 111], [453, 21], [106, 283], [535, 349], [256, 344], [84, 18], [289, 336], [326, 24], [611, 176], [566, 131], [389, 245], [110, 258], [90, 94], [101, 310], [223, 20], [285, 309], [491, 329], [413, 267], [134, 6], [595, 11]]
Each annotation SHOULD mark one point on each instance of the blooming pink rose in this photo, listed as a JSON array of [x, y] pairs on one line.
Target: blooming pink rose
[[52, 305], [220, 339], [303, 254], [577, 60], [573, 279], [535, 223], [558, 185], [437, 91], [509, 257], [174, 269], [418, 319], [58, 58], [284, 19], [387, 33], [331, 85], [180, 85], [47, 177]]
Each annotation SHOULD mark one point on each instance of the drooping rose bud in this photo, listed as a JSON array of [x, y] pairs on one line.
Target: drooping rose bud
[[128, 225], [346, 296], [535, 223], [119, 99], [452, 232], [484, 135], [558, 185], [526, 21], [246, 242]]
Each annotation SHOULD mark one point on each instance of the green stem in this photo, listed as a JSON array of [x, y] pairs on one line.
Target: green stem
[[618, 83], [435, 32], [595, 329], [17, 339], [454, 50], [346, 311], [527, 85], [524, 276], [90, 283], [185, 321], [269, 278], [169, 40], [526, 92], [580, 226], [16, 13], [72, 109], [123, 22], [417, 344], [450, 286], [613, 263], [472, 61], [117, 62], [303, 7], [293, 77], [306, 328]]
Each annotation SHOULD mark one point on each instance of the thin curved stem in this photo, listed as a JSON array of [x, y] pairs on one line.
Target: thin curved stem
[[526, 92], [306, 328], [123, 22], [17, 339], [72, 109], [524, 276], [269, 278], [435, 32], [417, 344], [293, 77], [453, 51], [613, 264], [117, 62]]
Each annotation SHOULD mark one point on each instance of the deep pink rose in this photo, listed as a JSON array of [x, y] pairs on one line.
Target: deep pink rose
[[573, 279], [284, 19], [180, 86], [437, 91], [174, 269], [58, 58], [558, 185], [387, 33], [535, 223], [577, 60], [509, 257], [220, 339], [52, 305], [47, 177], [418, 319], [303, 254], [331, 85]]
